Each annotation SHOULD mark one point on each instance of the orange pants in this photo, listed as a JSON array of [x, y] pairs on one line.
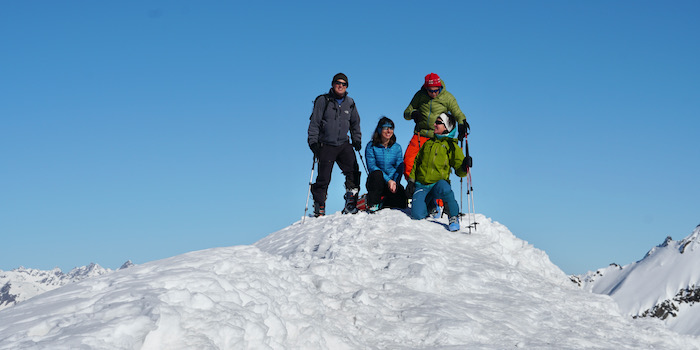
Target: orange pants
[[409, 158]]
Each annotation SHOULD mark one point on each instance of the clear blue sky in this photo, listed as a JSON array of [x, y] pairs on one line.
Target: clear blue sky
[[145, 129]]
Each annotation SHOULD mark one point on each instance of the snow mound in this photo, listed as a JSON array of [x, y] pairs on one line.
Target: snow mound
[[362, 281]]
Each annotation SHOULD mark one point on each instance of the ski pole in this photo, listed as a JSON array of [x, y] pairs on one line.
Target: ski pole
[[363, 162], [470, 199], [313, 167], [470, 190], [461, 179]]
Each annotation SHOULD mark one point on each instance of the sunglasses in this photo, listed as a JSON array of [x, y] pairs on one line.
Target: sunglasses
[[439, 122], [340, 83], [387, 128], [434, 91]]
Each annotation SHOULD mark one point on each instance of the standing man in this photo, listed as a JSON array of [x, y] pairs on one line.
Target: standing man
[[333, 116], [426, 105]]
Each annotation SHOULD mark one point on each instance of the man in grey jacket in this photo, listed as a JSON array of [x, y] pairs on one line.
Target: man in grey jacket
[[333, 116]]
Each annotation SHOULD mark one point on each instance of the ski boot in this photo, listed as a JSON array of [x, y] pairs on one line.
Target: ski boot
[[435, 209], [351, 202], [436, 213], [454, 224], [319, 209]]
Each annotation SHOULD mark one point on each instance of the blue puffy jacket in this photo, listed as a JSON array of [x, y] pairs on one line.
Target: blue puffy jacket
[[387, 159]]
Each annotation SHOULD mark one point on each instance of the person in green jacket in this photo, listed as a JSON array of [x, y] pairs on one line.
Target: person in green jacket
[[431, 171], [426, 105]]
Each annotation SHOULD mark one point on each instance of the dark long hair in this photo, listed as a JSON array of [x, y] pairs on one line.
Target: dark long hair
[[377, 136]]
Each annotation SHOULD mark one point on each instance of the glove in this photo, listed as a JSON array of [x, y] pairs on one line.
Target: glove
[[463, 130], [416, 116], [315, 147], [357, 146], [466, 163], [410, 188]]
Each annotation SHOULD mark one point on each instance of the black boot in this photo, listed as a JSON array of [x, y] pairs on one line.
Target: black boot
[[319, 209], [351, 202]]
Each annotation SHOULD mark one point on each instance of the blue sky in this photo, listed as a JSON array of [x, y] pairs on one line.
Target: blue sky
[[145, 129]]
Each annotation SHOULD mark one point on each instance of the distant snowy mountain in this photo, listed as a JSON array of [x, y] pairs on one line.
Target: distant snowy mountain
[[22, 283], [362, 281], [665, 284]]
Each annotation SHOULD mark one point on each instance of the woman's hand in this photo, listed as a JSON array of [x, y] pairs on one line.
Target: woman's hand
[[392, 186]]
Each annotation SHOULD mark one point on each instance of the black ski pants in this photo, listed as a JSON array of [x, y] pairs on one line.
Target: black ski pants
[[344, 155], [378, 188]]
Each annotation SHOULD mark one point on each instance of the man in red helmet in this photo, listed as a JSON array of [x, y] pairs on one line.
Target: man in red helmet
[[427, 104]]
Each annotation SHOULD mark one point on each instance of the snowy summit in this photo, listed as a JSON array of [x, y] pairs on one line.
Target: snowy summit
[[362, 281]]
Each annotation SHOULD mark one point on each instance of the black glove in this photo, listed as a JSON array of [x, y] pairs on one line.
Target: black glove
[[466, 163], [410, 188], [416, 116], [357, 146], [463, 130], [315, 147]]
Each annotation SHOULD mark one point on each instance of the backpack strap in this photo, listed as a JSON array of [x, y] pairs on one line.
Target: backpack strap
[[326, 100]]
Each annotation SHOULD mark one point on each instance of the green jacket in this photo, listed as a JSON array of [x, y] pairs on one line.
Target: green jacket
[[431, 108], [435, 159]]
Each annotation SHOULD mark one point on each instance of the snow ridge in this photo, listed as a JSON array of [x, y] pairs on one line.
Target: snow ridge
[[690, 243], [380, 281], [665, 284], [23, 283]]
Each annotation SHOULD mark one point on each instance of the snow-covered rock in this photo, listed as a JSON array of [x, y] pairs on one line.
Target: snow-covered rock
[[362, 281], [665, 284]]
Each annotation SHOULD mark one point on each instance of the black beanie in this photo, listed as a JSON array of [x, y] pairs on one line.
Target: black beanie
[[340, 76]]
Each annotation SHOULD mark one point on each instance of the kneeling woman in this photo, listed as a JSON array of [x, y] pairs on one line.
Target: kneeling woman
[[385, 166]]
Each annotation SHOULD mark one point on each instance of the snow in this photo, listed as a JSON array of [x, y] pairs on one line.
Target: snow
[[23, 283], [664, 271], [380, 281]]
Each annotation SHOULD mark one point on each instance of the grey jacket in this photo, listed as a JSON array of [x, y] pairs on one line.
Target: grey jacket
[[330, 126]]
